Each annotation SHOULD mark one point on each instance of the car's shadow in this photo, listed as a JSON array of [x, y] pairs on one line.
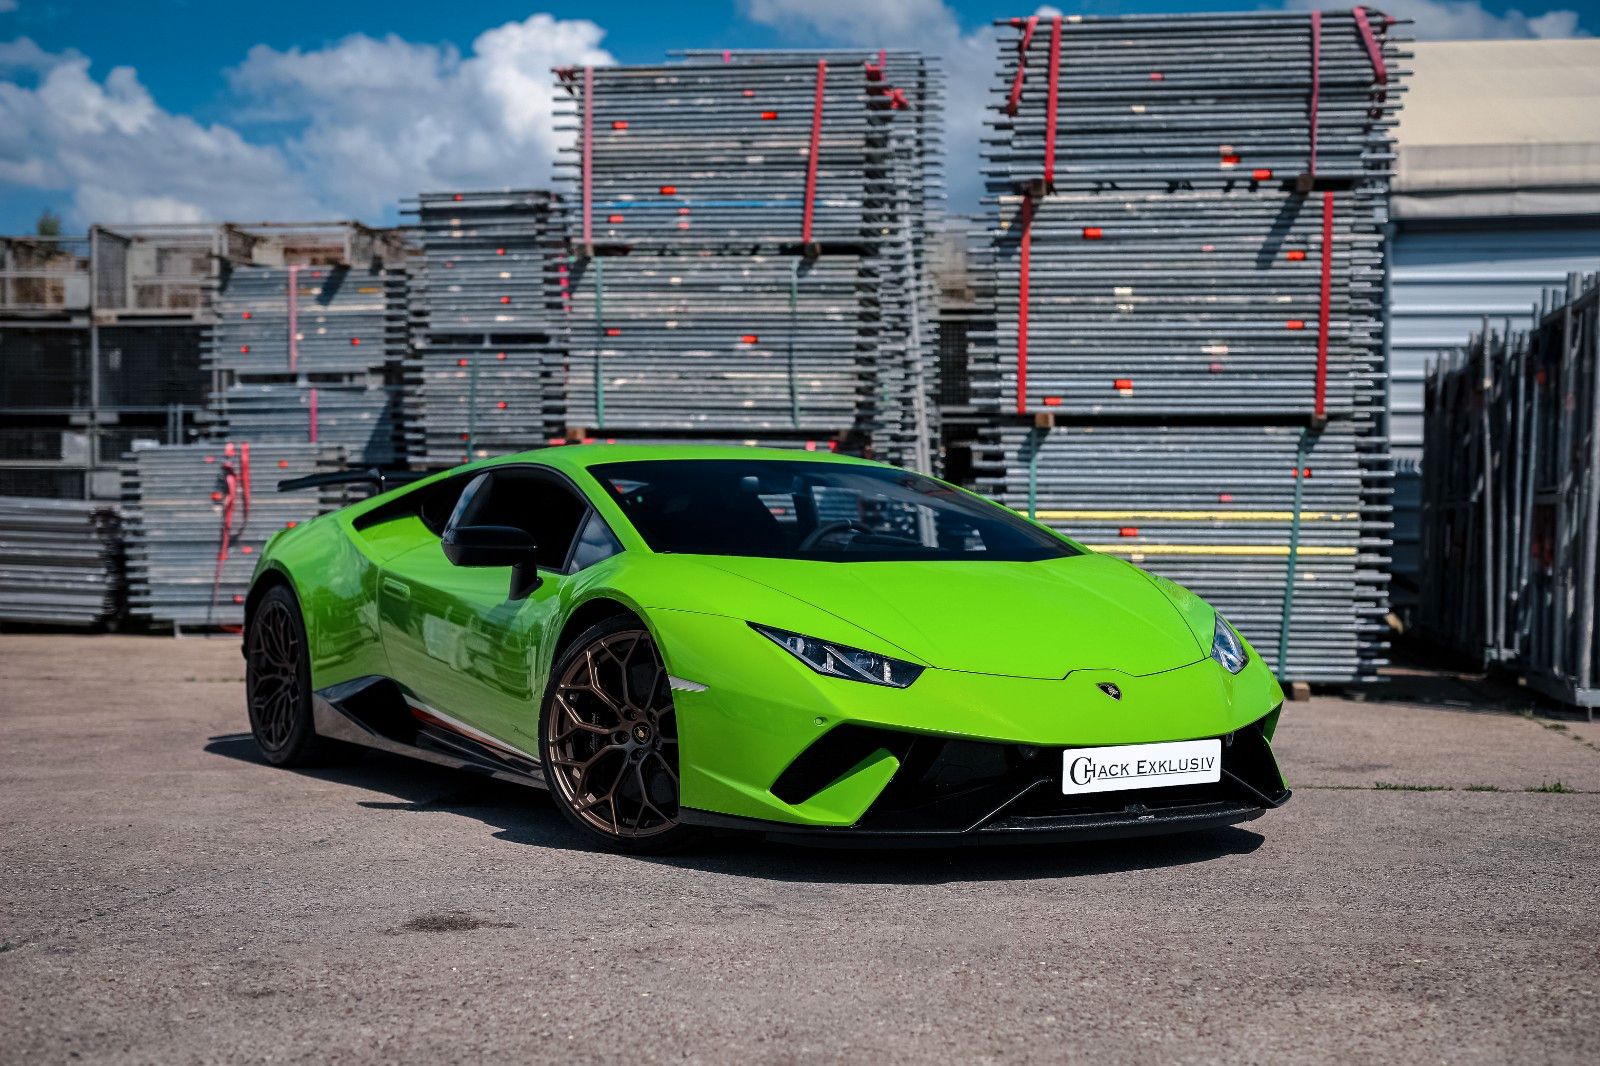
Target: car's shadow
[[525, 816]]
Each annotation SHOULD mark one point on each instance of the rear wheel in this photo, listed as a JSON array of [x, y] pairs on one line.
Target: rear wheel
[[609, 739], [278, 683]]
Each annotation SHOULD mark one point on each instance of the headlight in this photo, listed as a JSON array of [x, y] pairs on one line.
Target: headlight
[[1227, 648], [837, 660]]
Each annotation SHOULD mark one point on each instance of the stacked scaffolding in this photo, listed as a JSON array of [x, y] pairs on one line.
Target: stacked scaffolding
[[60, 562], [1511, 498], [1190, 269], [909, 368], [488, 324], [749, 251], [965, 279], [309, 353], [198, 516]]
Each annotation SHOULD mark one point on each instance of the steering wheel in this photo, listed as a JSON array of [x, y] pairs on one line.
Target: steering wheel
[[828, 529]]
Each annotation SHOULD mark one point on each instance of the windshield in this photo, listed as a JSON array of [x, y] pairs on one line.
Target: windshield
[[785, 509]]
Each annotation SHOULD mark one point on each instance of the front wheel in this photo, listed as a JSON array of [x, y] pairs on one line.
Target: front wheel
[[608, 735]]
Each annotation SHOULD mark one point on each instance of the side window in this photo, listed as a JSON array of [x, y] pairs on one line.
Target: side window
[[552, 513], [595, 543], [432, 504], [439, 501], [529, 500]]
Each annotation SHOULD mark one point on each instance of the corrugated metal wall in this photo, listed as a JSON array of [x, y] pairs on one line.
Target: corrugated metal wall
[[1446, 277]]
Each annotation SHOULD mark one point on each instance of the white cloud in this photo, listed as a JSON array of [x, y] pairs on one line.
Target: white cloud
[[345, 130], [7, 6], [377, 120], [23, 55], [1447, 20], [120, 155]]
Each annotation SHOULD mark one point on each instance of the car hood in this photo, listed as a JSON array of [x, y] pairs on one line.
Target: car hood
[[1039, 619]]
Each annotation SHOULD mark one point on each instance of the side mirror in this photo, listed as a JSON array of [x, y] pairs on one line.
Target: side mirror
[[495, 546]]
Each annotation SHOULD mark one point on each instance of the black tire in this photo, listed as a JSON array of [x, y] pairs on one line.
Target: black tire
[[278, 683], [621, 737]]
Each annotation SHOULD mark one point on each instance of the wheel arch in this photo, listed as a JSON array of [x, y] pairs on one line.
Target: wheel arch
[[588, 614], [271, 576]]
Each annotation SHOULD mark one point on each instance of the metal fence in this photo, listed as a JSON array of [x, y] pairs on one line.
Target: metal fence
[[1511, 497]]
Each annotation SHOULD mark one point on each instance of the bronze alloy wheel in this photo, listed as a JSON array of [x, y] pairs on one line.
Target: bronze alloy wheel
[[611, 737], [274, 675]]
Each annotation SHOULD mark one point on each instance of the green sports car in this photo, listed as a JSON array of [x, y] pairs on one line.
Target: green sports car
[[820, 648]]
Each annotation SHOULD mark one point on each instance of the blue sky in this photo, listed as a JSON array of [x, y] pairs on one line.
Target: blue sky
[[169, 109]]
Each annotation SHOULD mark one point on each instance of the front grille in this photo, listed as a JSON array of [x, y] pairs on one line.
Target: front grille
[[945, 784]]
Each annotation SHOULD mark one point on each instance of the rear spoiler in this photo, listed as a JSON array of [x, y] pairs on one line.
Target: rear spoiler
[[383, 480]]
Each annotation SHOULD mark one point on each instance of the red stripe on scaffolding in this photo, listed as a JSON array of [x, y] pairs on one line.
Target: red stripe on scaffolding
[[1374, 50], [1051, 105], [1025, 253], [1324, 306], [1029, 26], [811, 156], [588, 154], [312, 425], [1316, 87]]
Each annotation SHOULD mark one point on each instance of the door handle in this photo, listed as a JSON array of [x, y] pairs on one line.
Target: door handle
[[398, 589]]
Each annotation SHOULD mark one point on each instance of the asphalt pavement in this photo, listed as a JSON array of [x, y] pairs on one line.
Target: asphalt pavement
[[1430, 894]]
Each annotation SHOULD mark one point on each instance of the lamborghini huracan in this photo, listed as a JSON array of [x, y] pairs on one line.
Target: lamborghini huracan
[[673, 640]]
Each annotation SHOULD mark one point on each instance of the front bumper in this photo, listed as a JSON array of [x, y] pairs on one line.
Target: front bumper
[[771, 745], [949, 792]]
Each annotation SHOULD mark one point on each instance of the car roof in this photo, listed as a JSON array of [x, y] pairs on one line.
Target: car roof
[[573, 457]]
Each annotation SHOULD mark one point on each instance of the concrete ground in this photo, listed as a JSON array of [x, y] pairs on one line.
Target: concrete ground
[[1429, 895]]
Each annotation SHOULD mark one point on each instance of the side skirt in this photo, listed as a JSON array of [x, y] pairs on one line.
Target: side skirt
[[375, 712]]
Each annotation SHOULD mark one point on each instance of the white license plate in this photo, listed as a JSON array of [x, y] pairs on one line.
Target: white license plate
[[1125, 766]]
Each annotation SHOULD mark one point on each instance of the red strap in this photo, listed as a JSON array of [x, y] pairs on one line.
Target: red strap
[[1316, 85], [588, 153], [1022, 62], [244, 484], [897, 97], [1324, 305], [294, 316], [230, 495], [1050, 106], [811, 156], [1374, 50], [1025, 257], [225, 537], [312, 427]]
